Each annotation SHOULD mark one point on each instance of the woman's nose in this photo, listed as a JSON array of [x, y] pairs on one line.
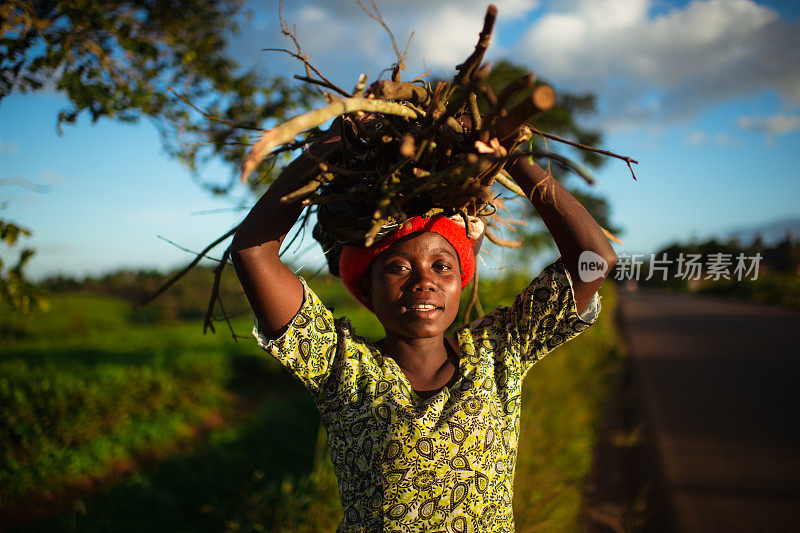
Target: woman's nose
[[422, 281]]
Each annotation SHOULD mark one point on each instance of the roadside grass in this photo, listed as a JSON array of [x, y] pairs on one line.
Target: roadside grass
[[256, 475], [78, 401], [267, 468], [563, 402]]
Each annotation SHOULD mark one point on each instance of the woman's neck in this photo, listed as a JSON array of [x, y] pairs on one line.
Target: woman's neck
[[427, 363]]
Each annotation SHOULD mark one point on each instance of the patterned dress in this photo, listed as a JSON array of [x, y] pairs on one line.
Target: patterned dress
[[445, 463]]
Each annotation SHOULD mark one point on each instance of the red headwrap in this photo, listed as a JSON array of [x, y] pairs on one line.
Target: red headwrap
[[355, 260]]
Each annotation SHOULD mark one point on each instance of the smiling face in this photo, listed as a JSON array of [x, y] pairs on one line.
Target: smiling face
[[414, 286]]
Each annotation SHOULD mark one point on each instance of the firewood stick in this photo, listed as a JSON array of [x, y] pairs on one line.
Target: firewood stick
[[289, 129]]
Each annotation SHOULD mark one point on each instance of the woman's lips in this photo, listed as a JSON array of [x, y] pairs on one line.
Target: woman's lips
[[423, 307], [423, 310]]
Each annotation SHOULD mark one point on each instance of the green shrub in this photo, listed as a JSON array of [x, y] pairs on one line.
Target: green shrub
[[53, 407], [74, 401]]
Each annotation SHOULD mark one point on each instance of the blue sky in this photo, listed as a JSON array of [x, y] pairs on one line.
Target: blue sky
[[704, 94]]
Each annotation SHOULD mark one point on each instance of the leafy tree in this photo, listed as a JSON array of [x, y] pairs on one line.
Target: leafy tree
[[119, 59], [16, 291]]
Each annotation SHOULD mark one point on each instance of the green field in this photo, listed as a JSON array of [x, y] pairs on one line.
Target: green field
[[113, 422]]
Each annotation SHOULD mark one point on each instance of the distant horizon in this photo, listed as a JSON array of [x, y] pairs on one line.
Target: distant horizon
[[542, 259]]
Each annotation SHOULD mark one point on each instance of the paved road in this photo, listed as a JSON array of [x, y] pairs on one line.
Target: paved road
[[720, 387]]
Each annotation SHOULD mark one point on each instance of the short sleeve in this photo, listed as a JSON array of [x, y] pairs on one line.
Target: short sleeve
[[308, 346], [541, 318]]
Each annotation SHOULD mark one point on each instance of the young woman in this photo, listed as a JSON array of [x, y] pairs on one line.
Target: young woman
[[422, 427]]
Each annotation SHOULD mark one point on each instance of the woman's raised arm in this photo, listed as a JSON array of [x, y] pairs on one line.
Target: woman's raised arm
[[274, 292], [572, 227]]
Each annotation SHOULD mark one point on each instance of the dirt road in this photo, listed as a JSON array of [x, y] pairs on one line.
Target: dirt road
[[720, 383]]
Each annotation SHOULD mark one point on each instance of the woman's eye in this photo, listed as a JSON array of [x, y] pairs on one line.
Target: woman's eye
[[397, 267], [443, 267]]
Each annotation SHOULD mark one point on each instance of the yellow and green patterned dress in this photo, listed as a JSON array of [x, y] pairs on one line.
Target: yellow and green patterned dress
[[445, 463]]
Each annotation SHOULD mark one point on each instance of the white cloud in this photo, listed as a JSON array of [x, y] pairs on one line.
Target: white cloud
[[698, 137], [445, 31], [448, 37], [343, 41], [647, 66], [9, 148], [690, 58], [773, 126], [723, 139]]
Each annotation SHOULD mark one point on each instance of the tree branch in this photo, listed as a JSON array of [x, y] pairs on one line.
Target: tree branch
[[178, 275], [625, 158]]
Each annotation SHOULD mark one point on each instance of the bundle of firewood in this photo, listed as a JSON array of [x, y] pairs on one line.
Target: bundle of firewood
[[409, 148]]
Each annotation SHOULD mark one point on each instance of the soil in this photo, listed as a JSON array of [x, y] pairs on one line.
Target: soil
[[624, 490]]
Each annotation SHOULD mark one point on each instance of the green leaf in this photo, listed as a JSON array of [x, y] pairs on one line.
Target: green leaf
[[10, 232]]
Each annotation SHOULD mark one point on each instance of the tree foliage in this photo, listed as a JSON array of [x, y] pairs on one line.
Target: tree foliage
[[120, 59], [15, 290], [129, 59]]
